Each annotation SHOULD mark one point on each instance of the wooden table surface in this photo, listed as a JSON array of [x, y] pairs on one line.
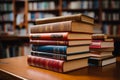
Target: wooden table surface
[[19, 66]]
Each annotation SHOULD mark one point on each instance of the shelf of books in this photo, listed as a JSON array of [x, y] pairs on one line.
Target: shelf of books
[[111, 17]]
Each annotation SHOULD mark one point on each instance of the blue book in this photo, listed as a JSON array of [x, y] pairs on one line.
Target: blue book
[[60, 49]]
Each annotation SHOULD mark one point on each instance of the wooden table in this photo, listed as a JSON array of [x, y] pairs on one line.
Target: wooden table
[[18, 66]]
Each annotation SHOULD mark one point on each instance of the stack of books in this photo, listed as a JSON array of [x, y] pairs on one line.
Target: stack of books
[[61, 44], [101, 50]]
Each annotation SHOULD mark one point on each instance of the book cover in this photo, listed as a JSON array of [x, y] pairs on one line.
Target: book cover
[[57, 42], [60, 36], [63, 57], [56, 65], [102, 44], [76, 17], [64, 26], [103, 62], [60, 49]]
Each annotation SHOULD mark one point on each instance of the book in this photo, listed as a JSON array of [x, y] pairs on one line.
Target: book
[[56, 65], [61, 56], [101, 54], [101, 44], [75, 17], [101, 62], [99, 36], [64, 26], [60, 36], [102, 49], [60, 49], [64, 43]]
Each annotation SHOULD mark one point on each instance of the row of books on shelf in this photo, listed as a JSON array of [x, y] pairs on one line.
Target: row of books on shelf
[[90, 13], [111, 29], [6, 17], [110, 16], [33, 16], [41, 5], [81, 4], [15, 50], [6, 7], [113, 4]]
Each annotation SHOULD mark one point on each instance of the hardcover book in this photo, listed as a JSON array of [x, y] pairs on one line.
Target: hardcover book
[[102, 44], [65, 57], [101, 54], [57, 65], [75, 17], [60, 36], [101, 62], [65, 26], [57, 42], [60, 49], [102, 49]]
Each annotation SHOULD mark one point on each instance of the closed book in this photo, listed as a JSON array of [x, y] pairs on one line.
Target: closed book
[[75, 17], [101, 62], [102, 49], [61, 56], [57, 65], [57, 42], [65, 26], [101, 37], [102, 44], [60, 49], [101, 53], [60, 36]]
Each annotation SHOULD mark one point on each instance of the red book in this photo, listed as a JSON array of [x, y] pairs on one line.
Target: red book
[[57, 65], [56, 42], [102, 44], [60, 36]]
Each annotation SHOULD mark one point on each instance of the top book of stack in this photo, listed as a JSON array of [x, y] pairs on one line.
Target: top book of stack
[[76, 17]]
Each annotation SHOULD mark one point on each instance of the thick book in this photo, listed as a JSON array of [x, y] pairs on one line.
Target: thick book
[[61, 56], [57, 65], [65, 26], [57, 42], [75, 17], [102, 44], [101, 62], [101, 54], [60, 49], [60, 36]]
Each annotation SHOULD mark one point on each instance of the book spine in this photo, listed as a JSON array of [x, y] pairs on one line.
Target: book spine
[[93, 62], [50, 49], [49, 36], [46, 63], [49, 55], [52, 27], [95, 45], [49, 42]]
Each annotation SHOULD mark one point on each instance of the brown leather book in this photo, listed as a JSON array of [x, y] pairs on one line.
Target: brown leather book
[[76, 17], [64, 26]]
